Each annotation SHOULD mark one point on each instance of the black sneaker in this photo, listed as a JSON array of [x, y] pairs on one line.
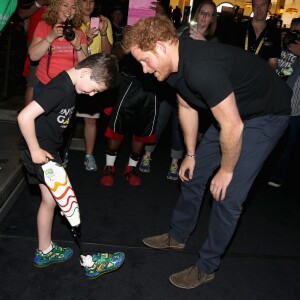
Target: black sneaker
[[275, 182]]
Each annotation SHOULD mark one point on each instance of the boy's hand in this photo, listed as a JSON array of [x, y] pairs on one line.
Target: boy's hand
[[40, 156]]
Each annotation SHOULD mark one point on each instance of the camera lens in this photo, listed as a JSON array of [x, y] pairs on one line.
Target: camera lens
[[291, 37], [68, 30], [69, 34]]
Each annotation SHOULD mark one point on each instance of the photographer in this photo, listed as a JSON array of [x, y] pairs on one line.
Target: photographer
[[287, 58], [288, 155], [57, 45], [259, 35]]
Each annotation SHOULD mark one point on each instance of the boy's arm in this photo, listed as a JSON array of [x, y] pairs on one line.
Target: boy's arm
[[26, 121]]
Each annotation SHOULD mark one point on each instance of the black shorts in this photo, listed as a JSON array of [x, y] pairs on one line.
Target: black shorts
[[95, 104], [135, 111], [35, 173]]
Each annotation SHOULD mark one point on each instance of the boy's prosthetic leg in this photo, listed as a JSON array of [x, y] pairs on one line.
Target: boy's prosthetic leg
[[57, 180], [60, 187]]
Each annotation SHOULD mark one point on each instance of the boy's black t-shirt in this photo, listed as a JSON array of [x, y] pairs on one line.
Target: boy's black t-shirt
[[210, 72], [58, 101]]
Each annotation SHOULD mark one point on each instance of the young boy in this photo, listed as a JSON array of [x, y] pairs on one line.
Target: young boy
[[42, 124]]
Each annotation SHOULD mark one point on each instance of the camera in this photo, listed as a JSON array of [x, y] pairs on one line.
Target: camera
[[68, 30], [290, 38]]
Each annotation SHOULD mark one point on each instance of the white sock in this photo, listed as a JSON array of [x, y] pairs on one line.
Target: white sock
[[132, 163], [48, 249], [110, 160]]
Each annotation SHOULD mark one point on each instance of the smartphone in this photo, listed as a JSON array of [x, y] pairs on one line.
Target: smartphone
[[194, 26], [95, 23]]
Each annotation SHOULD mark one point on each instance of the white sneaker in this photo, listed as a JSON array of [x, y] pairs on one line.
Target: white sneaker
[[90, 163]]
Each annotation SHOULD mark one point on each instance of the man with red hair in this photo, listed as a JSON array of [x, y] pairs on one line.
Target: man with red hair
[[251, 106]]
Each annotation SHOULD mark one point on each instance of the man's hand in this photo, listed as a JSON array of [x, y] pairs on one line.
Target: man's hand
[[295, 48], [187, 167], [219, 184]]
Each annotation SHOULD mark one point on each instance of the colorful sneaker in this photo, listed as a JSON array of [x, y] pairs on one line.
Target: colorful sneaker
[[104, 263], [56, 255], [90, 163], [108, 176], [131, 176], [173, 172], [145, 164]]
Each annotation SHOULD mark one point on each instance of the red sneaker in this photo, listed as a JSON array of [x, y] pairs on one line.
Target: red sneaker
[[131, 176], [108, 176]]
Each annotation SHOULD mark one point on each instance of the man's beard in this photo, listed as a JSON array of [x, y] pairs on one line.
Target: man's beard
[[165, 73]]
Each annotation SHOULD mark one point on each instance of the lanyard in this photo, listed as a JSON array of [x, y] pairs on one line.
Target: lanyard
[[259, 45]]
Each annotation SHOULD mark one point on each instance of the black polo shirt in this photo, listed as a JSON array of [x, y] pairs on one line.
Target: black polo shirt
[[209, 72], [271, 45]]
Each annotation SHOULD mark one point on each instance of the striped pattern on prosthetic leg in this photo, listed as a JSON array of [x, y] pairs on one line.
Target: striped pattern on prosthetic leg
[[59, 184]]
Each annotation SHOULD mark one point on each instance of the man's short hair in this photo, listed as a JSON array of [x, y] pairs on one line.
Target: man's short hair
[[147, 31]]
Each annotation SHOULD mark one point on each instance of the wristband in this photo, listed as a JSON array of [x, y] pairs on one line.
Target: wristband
[[103, 34], [37, 4], [190, 155], [77, 50], [47, 41]]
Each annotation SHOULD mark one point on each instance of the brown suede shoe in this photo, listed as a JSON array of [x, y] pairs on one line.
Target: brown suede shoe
[[190, 278], [163, 241]]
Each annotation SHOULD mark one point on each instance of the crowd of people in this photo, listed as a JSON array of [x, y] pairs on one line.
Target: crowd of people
[[220, 137]]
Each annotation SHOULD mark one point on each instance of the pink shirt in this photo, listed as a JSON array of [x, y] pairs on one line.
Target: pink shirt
[[63, 56]]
